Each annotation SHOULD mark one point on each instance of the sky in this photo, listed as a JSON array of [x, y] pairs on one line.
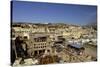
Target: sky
[[39, 12]]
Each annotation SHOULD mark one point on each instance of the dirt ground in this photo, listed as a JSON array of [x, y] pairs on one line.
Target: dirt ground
[[91, 50]]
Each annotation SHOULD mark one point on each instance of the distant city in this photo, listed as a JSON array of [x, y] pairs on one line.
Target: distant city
[[53, 43]]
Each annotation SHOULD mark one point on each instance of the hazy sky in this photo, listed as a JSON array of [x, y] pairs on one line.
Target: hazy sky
[[52, 13]]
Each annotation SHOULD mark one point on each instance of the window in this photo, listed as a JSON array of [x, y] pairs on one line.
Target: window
[[13, 35], [25, 37], [34, 44]]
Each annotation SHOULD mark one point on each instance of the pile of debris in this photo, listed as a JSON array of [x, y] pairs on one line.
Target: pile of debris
[[24, 62]]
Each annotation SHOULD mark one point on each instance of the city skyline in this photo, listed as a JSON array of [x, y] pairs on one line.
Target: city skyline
[[40, 12]]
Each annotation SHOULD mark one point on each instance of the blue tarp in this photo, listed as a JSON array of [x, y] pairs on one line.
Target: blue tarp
[[76, 45]]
